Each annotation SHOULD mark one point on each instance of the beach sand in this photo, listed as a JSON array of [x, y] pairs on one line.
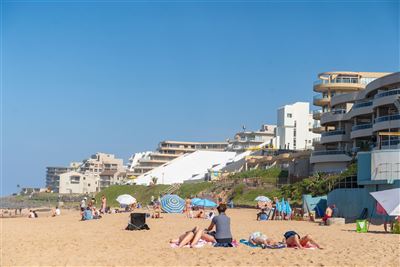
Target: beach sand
[[65, 240]]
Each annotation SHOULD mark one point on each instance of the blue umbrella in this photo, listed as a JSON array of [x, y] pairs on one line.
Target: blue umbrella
[[204, 203], [195, 200], [288, 208], [172, 204]]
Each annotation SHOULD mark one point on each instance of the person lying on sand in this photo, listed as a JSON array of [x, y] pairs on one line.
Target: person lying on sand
[[190, 237], [258, 238], [293, 239]]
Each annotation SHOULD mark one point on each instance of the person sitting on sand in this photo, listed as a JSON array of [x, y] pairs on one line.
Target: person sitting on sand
[[222, 223], [31, 214], [87, 214], [200, 214], [293, 239], [262, 215], [156, 211], [190, 237], [56, 212], [258, 238], [328, 214]]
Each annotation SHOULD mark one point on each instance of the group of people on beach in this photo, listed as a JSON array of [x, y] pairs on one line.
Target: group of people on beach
[[89, 211], [222, 235]]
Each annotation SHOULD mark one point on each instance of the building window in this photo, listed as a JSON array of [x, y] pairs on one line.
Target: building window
[[289, 115]]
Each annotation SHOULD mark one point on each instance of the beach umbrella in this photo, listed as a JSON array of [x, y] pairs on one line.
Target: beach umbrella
[[283, 206], [205, 203], [262, 199], [126, 199], [389, 200], [195, 200], [172, 204]]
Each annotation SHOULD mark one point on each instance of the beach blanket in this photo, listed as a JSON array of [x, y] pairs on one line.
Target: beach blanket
[[249, 244], [199, 244]]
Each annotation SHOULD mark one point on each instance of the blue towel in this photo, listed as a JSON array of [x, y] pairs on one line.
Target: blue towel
[[247, 243]]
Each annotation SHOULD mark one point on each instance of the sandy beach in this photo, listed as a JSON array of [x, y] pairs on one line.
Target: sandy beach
[[65, 240]]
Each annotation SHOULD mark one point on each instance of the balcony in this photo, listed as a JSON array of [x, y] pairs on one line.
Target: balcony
[[320, 100], [361, 108], [386, 98], [317, 114], [342, 83], [344, 98], [334, 136], [333, 116], [361, 130], [387, 122], [330, 156]]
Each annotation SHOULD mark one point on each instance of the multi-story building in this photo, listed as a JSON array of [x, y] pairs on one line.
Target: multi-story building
[[53, 173], [169, 150], [73, 182], [342, 99], [294, 124], [100, 162], [251, 139], [89, 169]]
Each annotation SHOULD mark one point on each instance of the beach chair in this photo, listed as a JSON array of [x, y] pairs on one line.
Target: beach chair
[[138, 222]]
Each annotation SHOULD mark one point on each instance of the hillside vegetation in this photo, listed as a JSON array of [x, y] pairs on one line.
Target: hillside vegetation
[[241, 187]]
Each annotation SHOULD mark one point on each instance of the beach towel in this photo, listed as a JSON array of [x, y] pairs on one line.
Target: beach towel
[[248, 243], [201, 243]]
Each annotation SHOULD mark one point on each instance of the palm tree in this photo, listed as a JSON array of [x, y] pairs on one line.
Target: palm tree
[[154, 180]]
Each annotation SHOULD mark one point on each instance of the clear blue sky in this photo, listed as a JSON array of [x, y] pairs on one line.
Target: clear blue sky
[[83, 77]]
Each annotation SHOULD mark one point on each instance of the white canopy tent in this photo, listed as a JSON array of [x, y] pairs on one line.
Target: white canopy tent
[[389, 200]]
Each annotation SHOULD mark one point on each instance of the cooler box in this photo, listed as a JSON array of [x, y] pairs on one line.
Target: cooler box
[[362, 226]]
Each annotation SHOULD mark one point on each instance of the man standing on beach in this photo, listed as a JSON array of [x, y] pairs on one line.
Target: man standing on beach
[[83, 204], [103, 204]]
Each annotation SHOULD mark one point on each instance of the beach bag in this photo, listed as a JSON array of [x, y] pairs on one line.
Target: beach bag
[[362, 226], [396, 227], [138, 222]]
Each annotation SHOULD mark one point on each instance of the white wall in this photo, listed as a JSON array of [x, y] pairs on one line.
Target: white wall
[[385, 164], [186, 167]]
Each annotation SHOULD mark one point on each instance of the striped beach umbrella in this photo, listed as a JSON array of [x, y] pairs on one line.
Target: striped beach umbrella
[[172, 204]]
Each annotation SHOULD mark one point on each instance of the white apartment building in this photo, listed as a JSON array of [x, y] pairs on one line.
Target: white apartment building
[[142, 163], [100, 162], [77, 183], [251, 139], [90, 171], [294, 124]]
